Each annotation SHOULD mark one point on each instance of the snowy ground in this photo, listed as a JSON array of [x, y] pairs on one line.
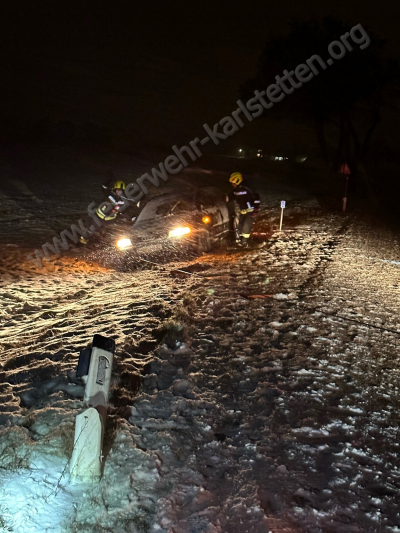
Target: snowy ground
[[259, 394]]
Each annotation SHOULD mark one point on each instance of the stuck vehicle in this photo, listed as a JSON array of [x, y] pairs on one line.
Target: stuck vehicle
[[173, 223]]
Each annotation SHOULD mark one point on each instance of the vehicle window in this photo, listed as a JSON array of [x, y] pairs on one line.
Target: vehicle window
[[203, 200], [172, 208], [163, 209]]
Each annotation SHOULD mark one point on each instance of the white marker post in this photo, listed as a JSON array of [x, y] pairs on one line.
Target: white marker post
[[283, 205]]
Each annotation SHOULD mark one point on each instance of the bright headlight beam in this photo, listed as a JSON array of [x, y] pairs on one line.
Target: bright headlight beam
[[178, 232], [122, 244]]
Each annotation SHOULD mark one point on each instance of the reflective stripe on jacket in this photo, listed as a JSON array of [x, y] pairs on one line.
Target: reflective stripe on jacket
[[104, 211]]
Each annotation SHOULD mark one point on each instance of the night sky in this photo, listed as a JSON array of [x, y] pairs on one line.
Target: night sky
[[151, 71]]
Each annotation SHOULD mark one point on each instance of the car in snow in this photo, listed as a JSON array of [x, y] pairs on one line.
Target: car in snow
[[174, 222]]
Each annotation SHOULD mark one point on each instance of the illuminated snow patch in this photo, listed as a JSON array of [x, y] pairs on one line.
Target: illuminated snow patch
[[34, 500]]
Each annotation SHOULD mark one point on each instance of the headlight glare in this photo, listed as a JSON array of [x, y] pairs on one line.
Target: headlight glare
[[122, 244], [178, 232]]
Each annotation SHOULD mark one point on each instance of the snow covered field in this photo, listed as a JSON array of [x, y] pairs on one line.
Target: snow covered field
[[259, 394]]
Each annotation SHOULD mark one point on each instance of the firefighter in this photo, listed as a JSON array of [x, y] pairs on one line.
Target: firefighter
[[114, 198], [112, 203], [249, 206]]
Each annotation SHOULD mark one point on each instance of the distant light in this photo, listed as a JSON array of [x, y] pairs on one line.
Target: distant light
[[178, 232], [122, 244], [206, 219], [258, 155], [240, 150]]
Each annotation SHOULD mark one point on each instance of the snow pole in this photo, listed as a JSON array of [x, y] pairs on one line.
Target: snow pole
[[345, 170], [283, 205], [345, 194]]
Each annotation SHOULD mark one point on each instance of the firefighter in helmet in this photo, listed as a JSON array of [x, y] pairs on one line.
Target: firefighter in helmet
[[113, 201], [248, 202]]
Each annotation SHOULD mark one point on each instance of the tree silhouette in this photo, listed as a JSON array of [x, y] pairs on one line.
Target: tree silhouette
[[347, 95]]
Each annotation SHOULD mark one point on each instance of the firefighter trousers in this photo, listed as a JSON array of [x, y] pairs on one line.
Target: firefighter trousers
[[244, 225]]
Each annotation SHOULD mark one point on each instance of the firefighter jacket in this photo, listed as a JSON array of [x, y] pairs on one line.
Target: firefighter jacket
[[247, 199], [110, 207]]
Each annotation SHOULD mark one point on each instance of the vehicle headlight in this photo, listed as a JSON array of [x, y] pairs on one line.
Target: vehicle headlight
[[178, 232], [122, 244]]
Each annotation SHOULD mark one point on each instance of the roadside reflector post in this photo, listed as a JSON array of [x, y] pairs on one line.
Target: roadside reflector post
[[345, 170], [87, 457], [283, 205], [345, 195]]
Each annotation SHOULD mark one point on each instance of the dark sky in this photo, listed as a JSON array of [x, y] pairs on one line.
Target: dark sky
[[153, 70]]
